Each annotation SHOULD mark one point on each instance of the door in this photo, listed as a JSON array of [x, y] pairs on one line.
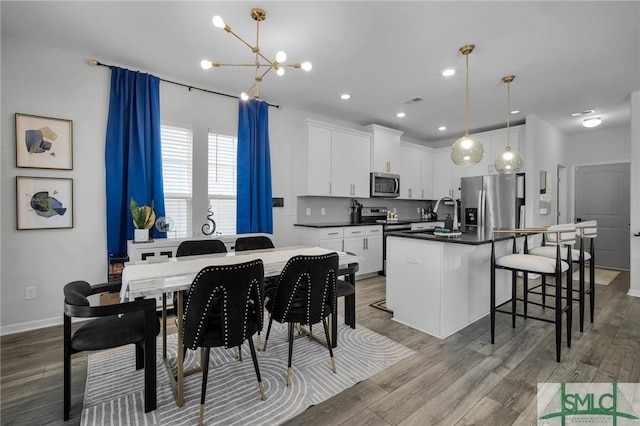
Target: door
[[602, 194]]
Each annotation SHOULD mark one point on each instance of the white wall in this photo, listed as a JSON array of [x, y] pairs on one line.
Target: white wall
[[634, 287], [44, 81], [544, 150]]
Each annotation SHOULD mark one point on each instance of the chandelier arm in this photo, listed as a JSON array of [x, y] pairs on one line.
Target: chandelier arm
[[241, 39]]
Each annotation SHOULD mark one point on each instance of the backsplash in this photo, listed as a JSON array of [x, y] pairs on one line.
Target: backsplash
[[336, 210]]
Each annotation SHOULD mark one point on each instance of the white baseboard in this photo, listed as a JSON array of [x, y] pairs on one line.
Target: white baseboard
[[31, 325], [633, 293]]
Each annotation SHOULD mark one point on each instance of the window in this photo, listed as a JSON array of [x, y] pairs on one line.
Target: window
[[177, 157], [222, 181]]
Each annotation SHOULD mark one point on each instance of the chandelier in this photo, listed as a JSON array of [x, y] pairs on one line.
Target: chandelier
[[509, 161], [260, 61], [467, 150]]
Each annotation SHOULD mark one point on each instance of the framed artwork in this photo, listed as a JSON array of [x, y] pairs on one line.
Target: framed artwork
[[44, 203], [44, 142]]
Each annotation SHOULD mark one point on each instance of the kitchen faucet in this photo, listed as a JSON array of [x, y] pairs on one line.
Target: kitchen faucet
[[455, 211]]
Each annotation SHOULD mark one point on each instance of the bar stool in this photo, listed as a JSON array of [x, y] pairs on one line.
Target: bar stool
[[588, 229], [528, 263]]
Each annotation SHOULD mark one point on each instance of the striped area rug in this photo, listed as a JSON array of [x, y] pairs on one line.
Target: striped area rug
[[114, 390]]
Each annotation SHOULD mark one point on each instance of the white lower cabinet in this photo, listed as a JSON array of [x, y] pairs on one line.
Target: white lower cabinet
[[363, 241], [425, 225]]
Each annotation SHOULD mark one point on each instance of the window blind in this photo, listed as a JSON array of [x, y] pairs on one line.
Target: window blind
[[222, 181], [177, 158]]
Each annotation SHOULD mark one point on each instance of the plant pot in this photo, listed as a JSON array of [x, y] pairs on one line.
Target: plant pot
[[140, 235]]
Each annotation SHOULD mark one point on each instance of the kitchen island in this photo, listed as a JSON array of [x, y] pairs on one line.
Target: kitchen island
[[439, 285]]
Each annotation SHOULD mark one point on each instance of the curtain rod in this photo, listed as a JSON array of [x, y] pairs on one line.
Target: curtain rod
[[95, 62]]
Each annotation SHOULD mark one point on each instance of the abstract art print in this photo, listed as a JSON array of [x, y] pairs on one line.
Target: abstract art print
[[43, 142], [44, 203]]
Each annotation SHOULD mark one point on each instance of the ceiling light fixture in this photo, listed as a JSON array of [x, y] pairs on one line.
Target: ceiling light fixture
[[345, 96], [401, 115], [467, 150], [442, 128], [515, 111], [257, 15], [508, 161], [448, 72], [592, 122]]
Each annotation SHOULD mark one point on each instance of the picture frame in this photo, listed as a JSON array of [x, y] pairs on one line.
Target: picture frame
[[44, 142], [44, 202]]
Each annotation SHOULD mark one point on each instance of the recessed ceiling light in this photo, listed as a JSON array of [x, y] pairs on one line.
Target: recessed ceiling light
[[442, 128], [515, 111], [591, 122], [448, 72], [401, 115], [345, 96], [589, 111]]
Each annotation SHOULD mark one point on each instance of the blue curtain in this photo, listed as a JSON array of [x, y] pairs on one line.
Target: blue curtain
[[254, 203], [133, 156]]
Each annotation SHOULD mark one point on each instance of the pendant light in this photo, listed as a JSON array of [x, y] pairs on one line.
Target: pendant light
[[467, 150], [509, 161]]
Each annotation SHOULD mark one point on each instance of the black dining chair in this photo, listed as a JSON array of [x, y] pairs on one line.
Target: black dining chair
[[114, 325], [224, 307], [195, 248], [305, 295], [204, 246], [256, 242]]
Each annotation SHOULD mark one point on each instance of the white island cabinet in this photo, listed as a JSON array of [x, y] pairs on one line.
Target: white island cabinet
[[440, 285]]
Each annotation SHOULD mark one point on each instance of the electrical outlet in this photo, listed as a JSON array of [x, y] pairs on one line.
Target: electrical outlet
[[308, 211], [322, 211], [419, 210], [29, 293]]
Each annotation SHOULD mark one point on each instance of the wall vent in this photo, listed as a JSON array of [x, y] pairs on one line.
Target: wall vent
[[413, 100]]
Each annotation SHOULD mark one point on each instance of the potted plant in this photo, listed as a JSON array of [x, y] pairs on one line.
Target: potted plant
[[143, 219]]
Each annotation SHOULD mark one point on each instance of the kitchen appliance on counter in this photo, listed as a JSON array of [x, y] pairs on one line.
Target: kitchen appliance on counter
[[378, 215], [491, 202], [385, 185]]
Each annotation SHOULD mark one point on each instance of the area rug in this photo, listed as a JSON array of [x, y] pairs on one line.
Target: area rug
[[114, 390], [603, 276], [382, 305]]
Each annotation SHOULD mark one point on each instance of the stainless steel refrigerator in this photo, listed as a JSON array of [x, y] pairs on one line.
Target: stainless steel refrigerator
[[492, 201]]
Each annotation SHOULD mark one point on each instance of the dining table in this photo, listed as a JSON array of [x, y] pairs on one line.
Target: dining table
[[144, 279]]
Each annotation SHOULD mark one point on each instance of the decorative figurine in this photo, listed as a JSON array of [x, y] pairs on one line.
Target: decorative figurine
[[209, 228]]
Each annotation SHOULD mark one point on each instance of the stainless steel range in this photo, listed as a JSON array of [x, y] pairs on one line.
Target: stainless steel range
[[372, 215]]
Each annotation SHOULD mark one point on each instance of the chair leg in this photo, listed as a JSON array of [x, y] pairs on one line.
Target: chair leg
[[256, 367], [514, 295], [592, 280], [291, 325], [203, 391], [139, 356], [525, 293], [150, 379], [67, 367], [493, 294], [558, 313], [326, 335], [266, 338], [581, 290], [569, 297], [544, 291]]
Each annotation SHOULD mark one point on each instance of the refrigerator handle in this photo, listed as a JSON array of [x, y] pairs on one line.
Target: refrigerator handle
[[482, 203]]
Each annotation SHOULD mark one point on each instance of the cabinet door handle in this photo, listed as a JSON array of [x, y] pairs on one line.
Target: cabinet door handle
[[367, 240], [364, 246], [422, 194], [329, 188]]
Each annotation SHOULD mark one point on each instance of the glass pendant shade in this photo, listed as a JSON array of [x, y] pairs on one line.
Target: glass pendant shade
[[508, 162], [467, 151]]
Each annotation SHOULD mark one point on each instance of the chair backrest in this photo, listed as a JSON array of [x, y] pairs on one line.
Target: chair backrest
[[253, 243], [587, 229], [564, 233], [76, 292], [224, 298], [306, 283], [196, 247]]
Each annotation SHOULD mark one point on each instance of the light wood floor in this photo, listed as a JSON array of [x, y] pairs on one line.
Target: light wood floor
[[460, 380]]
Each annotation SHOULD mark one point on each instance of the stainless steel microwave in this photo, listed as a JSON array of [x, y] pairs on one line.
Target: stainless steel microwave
[[385, 185]]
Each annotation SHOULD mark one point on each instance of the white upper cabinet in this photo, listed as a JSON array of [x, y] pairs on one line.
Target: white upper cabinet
[[331, 161], [385, 149], [416, 172]]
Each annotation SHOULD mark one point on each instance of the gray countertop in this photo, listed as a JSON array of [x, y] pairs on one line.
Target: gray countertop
[[343, 224], [470, 237]]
